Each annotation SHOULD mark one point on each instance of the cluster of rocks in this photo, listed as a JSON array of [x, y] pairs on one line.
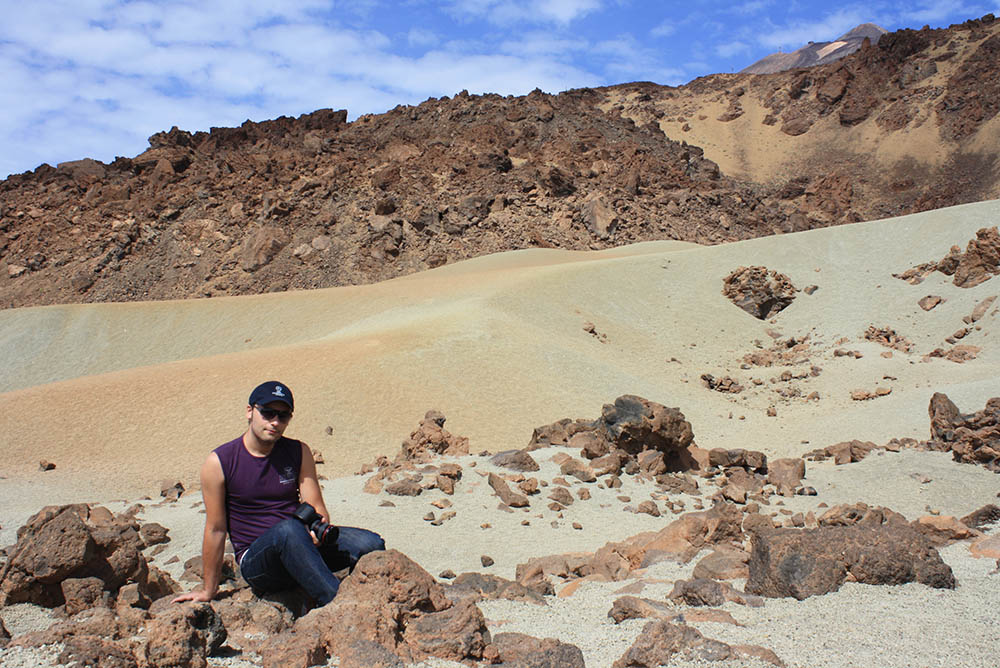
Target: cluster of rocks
[[317, 201], [977, 264], [759, 291], [115, 609], [971, 438]]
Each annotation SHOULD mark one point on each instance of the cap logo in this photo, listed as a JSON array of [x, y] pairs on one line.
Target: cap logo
[[278, 392]]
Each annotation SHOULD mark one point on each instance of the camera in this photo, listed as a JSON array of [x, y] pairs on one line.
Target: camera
[[323, 531]]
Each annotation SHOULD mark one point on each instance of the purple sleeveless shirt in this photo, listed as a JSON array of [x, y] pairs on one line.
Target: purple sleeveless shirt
[[260, 491]]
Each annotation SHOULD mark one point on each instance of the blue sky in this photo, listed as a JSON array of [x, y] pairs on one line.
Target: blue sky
[[95, 78]]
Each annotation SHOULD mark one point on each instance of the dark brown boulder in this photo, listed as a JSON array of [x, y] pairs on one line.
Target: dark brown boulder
[[634, 424], [808, 562], [977, 519], [760, 292], [945, 417]]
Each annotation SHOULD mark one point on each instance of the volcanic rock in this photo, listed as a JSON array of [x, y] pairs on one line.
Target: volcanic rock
[[431, 438], [506, 494], [517, 650], [809, 562], [759, 291], [517, 460], [56, 543], [183, 635]]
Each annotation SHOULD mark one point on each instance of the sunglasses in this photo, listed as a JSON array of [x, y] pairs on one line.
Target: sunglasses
[[270, 413]]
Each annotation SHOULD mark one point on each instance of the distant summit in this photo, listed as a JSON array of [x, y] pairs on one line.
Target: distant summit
[[817, 53]]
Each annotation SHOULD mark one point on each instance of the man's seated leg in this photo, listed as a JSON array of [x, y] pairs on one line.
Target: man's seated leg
[[352, 544], [283, 557]]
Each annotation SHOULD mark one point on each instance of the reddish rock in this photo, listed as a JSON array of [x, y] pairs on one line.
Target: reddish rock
[[760, 292], [298, 650], [659, 641], [408, 487], [977, 519], [943, 530], [702, 592], [786, 474], [391, 601], [506, 494], [455, 634], [577, 469], [93, 650], [183, 635], [972, 438], [154, 534], [562, 496], [518, 649], [635, 424], [860, 513], [809, 562], [83, 593], [56, 544], [517, 460], [648, 507], [484, 586], [431, 438], [681, 540], [723, 564]]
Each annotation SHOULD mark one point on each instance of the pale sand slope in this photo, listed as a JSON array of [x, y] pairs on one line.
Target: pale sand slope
[[498, 345]]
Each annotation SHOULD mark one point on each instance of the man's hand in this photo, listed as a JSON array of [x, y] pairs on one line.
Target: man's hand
[[196, 595]]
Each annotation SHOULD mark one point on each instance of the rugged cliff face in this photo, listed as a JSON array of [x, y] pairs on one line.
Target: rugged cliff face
[[905, 125]]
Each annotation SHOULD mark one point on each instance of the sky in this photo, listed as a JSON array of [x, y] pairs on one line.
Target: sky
[[96, 78]]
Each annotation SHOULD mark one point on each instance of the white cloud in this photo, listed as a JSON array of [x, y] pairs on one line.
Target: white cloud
[[825, 29], [664, 29], [730, 49], [422, 37], [507, 12]]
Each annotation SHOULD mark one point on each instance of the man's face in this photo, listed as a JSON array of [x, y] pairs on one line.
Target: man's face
[[268, 422]]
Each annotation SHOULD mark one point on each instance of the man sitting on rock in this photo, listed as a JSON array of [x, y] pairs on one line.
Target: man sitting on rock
[[252, 487]]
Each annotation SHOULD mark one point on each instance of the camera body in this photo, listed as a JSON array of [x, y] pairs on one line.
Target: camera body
[[324, 531]]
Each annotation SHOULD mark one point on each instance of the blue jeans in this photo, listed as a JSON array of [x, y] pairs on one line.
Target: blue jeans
[[284, 557]]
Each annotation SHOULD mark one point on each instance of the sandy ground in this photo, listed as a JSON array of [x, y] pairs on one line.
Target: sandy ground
[[122, 396]]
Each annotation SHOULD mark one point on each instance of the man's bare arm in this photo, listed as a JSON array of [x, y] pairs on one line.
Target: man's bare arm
[[309, 489], [213, 544]]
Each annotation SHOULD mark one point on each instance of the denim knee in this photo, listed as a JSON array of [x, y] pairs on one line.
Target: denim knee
[[291, 530]]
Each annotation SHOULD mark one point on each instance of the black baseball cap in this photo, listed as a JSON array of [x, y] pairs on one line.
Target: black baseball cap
[[270, 391]]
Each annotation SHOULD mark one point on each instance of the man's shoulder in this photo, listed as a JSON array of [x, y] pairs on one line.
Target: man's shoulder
[[229, 446]]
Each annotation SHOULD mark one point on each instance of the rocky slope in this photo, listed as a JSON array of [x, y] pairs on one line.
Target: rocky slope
[[906, 125]]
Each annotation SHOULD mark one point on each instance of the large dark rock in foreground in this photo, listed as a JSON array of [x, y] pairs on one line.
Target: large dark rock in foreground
[[808, 562], [61, 543]]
